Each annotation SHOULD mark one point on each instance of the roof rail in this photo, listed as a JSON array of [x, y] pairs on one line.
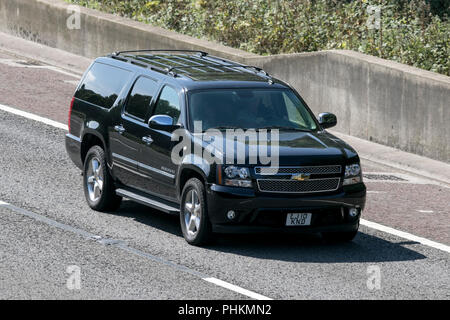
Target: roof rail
[[202, 53], [143, 64], [238, 65], [258, 69], [204, 61]]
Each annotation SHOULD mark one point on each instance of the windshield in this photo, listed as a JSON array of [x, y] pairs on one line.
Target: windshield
[[249, 109]]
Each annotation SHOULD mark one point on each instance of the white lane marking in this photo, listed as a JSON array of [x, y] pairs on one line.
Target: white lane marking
[[24, 64], [425, 211], [122, 245], [240, 290], [33, 117], [373, 191], [56, 69], [366, 223], [405, 235], [74, 82]]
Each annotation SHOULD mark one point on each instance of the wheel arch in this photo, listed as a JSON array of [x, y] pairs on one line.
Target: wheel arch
[[187, 172], [90, 139]]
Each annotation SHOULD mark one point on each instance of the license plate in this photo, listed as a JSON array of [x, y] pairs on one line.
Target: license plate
[[298, 219]]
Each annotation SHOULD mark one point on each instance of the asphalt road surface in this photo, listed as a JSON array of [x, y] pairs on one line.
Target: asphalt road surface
[[49, 236]]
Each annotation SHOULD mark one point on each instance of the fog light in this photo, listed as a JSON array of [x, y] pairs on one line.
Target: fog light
[[231, 214], [352, 180], [353, 212], [238, 183]]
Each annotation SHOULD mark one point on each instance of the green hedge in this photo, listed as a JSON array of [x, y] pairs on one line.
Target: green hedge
[[414, 32]]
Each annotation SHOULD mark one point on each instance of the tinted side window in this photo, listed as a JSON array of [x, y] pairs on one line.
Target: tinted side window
[[168, 103], [140, 97], [296, 111], [102, 85]]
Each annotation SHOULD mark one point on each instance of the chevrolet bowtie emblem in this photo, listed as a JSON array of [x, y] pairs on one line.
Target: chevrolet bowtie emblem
[[301, 177]]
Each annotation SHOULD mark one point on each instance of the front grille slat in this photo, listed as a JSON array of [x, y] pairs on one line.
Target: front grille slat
[[333, 169], [294, 186]]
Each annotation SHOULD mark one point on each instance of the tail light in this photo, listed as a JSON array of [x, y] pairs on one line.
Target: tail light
[[70, 112]]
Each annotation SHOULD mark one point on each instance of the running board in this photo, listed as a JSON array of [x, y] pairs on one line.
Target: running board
[[149, 201]]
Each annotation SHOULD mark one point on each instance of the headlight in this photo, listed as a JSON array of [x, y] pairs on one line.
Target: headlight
[[244, 173], [233, 172], [237, 177], [352, 174], [352, 170]]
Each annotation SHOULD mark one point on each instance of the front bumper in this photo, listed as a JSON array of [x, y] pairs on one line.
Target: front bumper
[[263, 212]]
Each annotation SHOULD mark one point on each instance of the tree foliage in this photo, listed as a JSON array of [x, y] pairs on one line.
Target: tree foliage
[[414, 32]]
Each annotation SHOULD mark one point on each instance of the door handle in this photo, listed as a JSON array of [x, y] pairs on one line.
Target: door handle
[[119, 128], [147, 140]]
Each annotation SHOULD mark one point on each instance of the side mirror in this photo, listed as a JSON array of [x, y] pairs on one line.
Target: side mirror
[[327, 120], [162, 122]]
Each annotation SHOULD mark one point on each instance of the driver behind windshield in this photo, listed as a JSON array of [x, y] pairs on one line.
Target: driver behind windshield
[[250, 109]]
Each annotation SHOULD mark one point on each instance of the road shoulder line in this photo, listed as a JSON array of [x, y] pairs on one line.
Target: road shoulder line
[[34, 117], [405, 235]]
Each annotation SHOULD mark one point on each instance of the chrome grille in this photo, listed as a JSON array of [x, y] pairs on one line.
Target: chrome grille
[[294, 186], [296, 170]]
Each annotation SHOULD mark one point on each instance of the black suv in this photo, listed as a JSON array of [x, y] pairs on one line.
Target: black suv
[[181, 131]]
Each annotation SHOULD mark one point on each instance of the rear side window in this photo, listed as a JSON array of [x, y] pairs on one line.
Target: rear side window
[[140, 97], [102, 84], [168, 103]]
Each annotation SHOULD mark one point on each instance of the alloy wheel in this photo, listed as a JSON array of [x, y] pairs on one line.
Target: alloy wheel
[[192, 213], [94, 179]]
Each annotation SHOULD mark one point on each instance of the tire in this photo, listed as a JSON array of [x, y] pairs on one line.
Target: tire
[[98, 184], [339, 236], [194, 219]]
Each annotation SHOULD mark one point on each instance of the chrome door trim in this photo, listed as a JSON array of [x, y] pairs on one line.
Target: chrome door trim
[[139, 165]]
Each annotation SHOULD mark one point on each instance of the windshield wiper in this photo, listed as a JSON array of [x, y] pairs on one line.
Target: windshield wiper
[[285, 128], [267, 127], [223, 128]]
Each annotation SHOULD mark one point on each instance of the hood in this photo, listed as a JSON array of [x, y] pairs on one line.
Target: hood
[[294, 148]]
